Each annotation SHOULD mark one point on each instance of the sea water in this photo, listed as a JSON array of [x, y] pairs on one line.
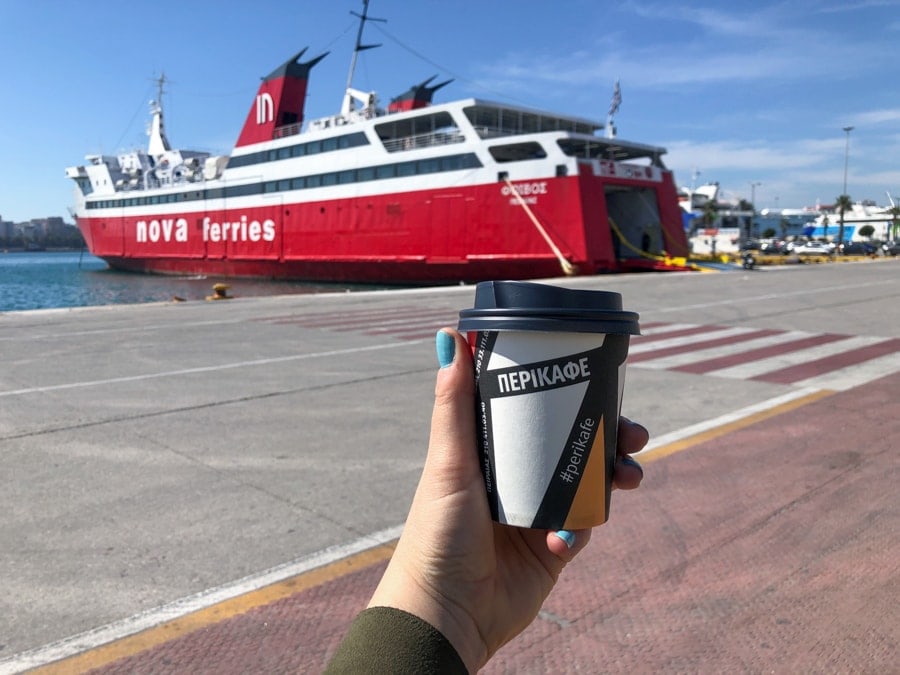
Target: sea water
[[45, 280]]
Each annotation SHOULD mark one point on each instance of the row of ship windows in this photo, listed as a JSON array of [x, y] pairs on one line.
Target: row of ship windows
[[401, 169], [300, 150]]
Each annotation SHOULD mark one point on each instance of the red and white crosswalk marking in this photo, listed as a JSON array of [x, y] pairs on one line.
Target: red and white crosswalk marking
[[792, 357], [402, 323], [797, 358]]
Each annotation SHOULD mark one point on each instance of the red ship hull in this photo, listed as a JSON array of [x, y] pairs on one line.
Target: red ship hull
[[469, 234]]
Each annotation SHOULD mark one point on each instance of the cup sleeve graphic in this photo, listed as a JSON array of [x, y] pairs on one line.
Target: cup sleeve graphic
[[583, 472]]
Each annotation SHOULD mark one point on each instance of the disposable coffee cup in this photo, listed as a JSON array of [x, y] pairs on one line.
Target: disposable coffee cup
[[550, 373]]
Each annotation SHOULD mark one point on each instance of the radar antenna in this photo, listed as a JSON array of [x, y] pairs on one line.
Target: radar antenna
[[349, 106]]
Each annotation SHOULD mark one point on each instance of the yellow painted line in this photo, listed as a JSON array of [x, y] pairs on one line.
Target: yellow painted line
[[723, 429], [176, 628], [171, 630]]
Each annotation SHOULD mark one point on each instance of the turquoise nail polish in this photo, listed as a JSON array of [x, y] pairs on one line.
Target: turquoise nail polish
[[446, 348], [567, 537], [631, 461]]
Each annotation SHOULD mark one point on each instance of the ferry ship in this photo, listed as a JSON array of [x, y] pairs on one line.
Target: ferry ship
[[418, 192]]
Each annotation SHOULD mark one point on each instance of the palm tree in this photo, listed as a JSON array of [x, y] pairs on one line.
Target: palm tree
[[843, 203], [709, 213], [895, 221]]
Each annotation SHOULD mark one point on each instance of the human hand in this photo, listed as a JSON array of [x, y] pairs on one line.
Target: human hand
[[478, 582]]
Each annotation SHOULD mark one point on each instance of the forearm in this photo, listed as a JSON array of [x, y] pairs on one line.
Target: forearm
[[389, 640]]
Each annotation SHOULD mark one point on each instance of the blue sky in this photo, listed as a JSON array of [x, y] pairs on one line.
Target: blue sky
[[741, 92]]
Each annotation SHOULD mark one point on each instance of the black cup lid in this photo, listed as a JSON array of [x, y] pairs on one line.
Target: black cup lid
[[523, 305]]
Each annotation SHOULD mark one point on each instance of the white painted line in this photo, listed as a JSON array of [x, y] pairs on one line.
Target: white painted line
[[727, 418], [116, 631], [667, 328], [712, 334], [715, 352], [774, 363], [856, 374], [769, 296], [207, 369]]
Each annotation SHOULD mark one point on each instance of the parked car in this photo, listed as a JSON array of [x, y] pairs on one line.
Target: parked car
[[857, 248], [814, 248], [775, 247], [891, 248], [770, 247], [751, 245]]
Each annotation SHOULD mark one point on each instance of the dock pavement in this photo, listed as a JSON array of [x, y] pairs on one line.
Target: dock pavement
[[216, 487]]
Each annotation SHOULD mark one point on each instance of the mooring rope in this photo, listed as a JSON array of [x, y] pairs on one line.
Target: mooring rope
[[567, 267]]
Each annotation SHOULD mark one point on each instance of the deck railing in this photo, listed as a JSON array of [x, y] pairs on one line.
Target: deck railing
[[419, 141]]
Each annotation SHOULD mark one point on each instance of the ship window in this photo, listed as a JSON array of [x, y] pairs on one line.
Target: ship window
[[364, 174], [352, 140], [329, 144], [85, 185], [530, 123], [386, 171], [154, 199], [284, 185], [429, 165], [298, 150], [451, 163], [517, 152], [270, 186], [347, 176], [313, 148], [406, 169], [284, 153], [313, 181], [494, 121], [298, 183], [241, 190], [419, 132], [329, 179]]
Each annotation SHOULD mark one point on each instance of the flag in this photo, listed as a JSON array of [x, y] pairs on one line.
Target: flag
[[616, 100]]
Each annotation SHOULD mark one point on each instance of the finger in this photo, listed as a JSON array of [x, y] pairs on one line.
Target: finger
[[565, 544], [632, 437], [452, 445], [627, 473]]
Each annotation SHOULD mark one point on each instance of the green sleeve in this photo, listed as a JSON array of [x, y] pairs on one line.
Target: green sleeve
[[391, 641]]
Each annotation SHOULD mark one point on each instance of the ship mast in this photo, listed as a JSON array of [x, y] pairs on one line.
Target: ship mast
[[350, 93], [158, 144]]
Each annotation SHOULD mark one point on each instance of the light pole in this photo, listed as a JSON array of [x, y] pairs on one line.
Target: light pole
[[847, 131], [753, 185]]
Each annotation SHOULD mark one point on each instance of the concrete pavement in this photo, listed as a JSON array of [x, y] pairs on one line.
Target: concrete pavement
[[154, 453]]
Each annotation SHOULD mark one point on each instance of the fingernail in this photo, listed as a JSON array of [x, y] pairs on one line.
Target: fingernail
[[567, 537], [634, 424], [631, 461], [446, 348]]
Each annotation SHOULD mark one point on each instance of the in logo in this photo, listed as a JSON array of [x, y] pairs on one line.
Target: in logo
[[265, 109]]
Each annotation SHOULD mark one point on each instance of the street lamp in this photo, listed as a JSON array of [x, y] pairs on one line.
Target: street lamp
[[753, 185], [847, 131]]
